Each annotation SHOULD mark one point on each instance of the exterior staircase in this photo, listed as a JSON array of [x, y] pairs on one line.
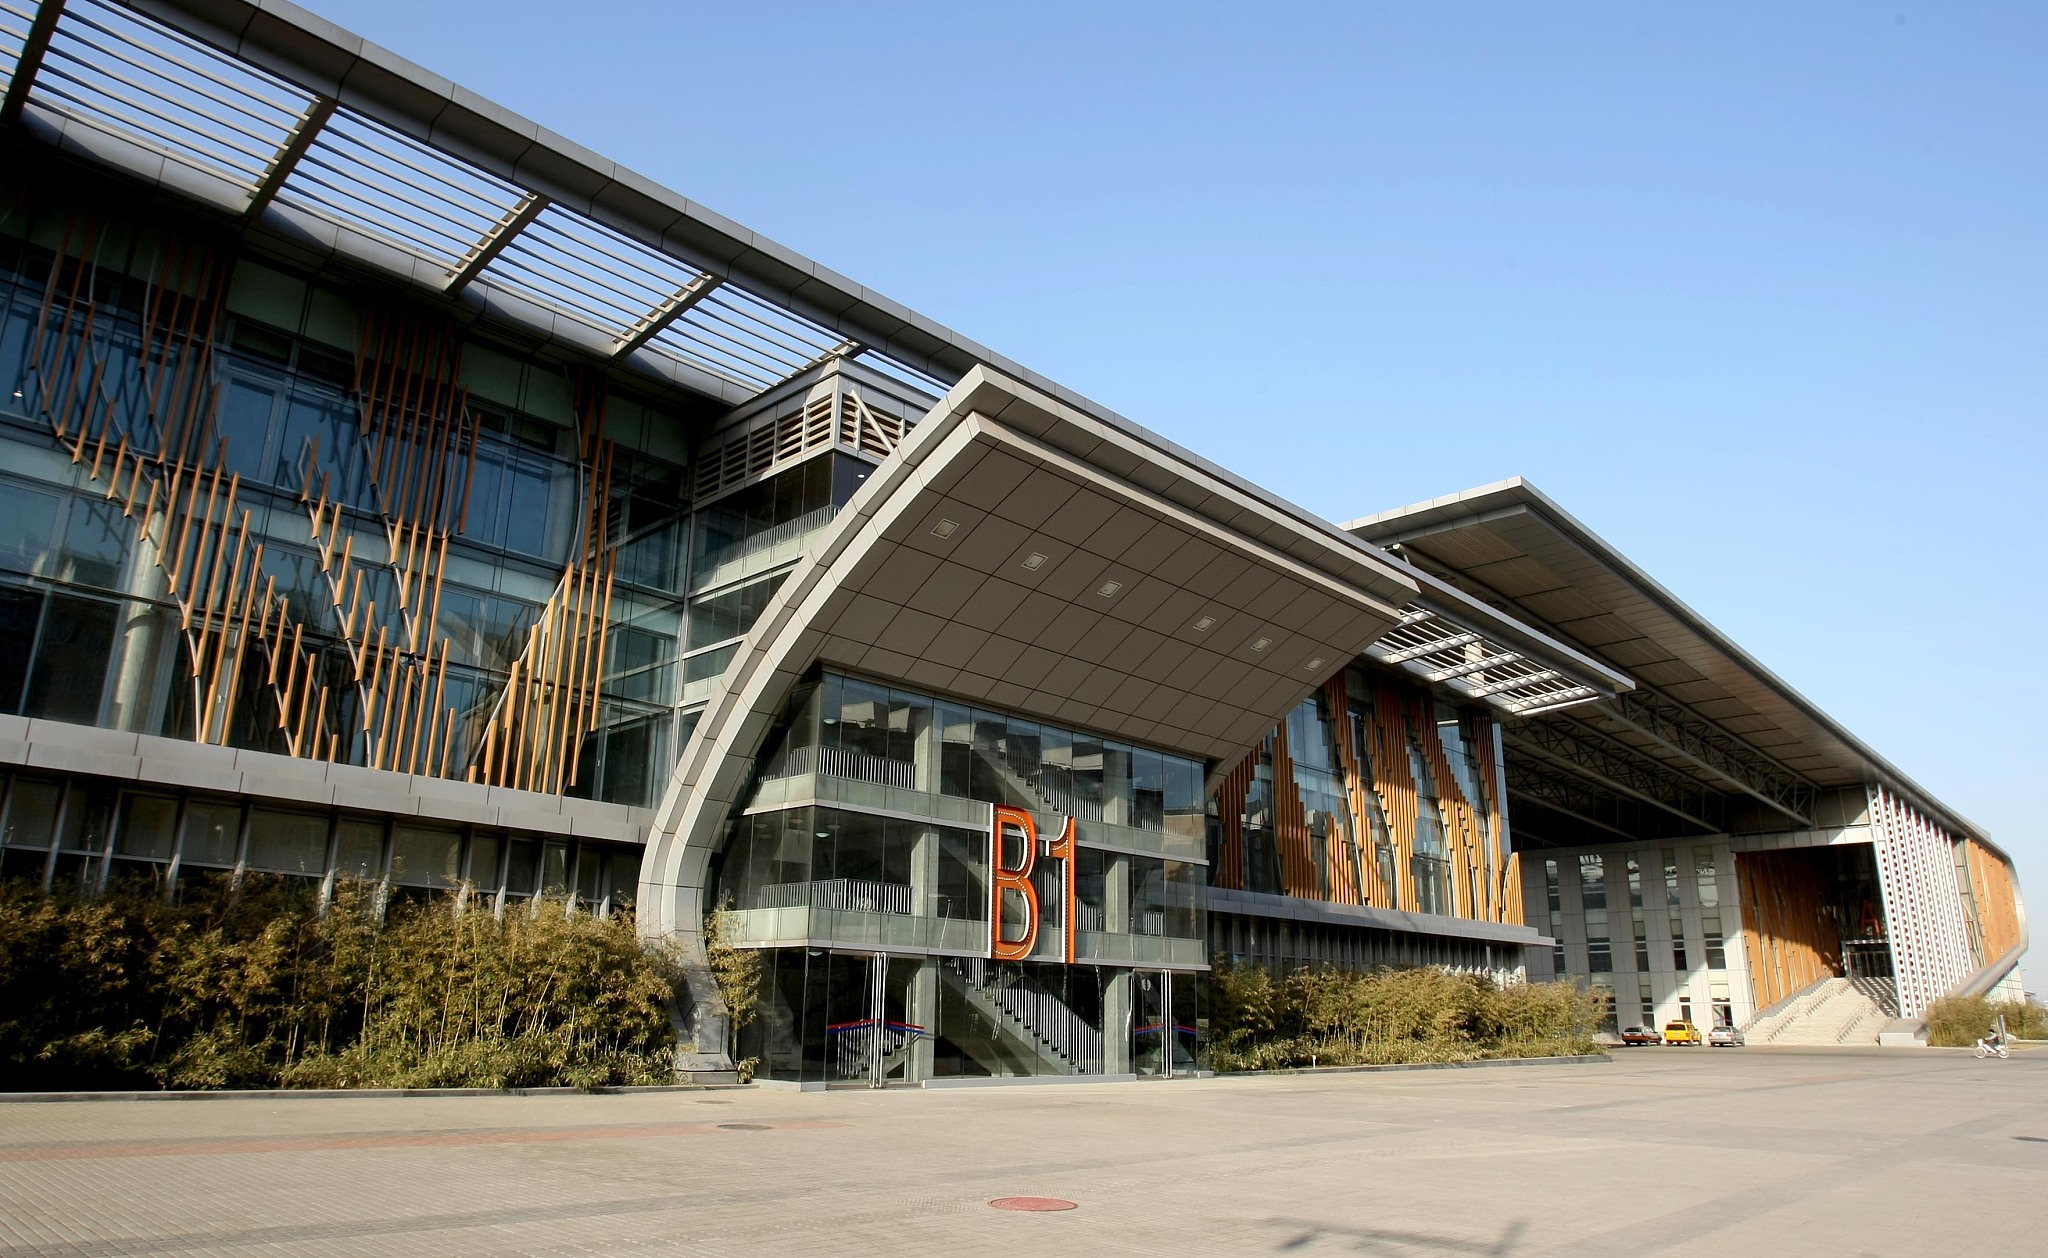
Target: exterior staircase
[[1830, 1012]]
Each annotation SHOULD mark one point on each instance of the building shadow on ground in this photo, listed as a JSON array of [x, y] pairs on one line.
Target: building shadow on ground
[[1308, 1235]]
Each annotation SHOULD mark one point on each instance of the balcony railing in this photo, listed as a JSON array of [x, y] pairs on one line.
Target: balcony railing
[[712, 565], [859, 895]]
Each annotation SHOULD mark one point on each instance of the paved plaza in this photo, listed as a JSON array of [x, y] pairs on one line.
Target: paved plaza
[[1661, 1151]]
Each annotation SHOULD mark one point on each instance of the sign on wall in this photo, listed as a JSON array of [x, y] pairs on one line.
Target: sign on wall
[[1013, 858]]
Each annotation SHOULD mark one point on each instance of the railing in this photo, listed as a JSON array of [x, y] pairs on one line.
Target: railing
[[858, 895], [854, 1049], [839, 762], [1038, 1013], [768, 539]]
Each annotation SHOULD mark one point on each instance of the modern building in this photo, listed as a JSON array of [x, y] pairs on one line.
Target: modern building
[[392, 489]]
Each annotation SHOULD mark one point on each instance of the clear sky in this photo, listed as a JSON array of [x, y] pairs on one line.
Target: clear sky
[[1758, 292]]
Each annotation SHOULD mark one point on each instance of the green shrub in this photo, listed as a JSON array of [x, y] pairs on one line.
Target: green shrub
[[1330, 1017], [1960, 1021], [254, 987]]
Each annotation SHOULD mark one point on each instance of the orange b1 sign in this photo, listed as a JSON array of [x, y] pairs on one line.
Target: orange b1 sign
[[1014, 825]]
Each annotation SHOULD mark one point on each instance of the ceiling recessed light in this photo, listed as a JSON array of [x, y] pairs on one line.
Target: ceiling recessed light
[[1261, 644], [1109, 588], [944, 528], [1033, 561], [1314, 664], [1205, 624]]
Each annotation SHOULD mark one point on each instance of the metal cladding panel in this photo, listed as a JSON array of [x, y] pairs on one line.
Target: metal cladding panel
[[1923, 904], [1513, 528], [947, 572], [1073, 619]]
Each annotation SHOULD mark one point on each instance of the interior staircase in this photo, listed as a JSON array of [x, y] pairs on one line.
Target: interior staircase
[[1829, 1012], [1035, 1032]]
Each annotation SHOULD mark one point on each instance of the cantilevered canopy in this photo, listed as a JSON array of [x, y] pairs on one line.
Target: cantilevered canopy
[[270, 114], [1019, 552], [1705, 716]]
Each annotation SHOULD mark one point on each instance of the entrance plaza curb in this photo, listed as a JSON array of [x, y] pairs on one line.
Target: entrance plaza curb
[[1583, 1060], [387, 1094], [359, 1094]]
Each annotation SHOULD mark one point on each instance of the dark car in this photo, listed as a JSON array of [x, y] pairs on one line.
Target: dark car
[[1641, 1035]]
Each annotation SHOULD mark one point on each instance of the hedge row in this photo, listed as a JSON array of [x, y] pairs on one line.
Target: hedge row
[[1338, 1018], [254, 986]]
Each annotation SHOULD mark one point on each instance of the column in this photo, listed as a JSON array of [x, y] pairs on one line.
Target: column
[[1117, 1001], [924, 1011]]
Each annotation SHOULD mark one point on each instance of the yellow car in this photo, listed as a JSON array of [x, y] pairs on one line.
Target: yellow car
[[1682, 1033]]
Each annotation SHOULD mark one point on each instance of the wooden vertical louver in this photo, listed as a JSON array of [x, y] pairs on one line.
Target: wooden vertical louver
[[534, 740], [1357, 783], [1231, 796], [1484, 883], [1788, 936], [1996, 901], [372, 688], [161, 460]]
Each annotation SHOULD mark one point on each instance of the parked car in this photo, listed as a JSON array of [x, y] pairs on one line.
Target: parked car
[[1682, 1032], [1640, 1035], [1724, 1037]]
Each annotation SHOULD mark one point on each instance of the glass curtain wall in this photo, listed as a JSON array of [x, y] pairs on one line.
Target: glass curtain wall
[[847, 1018], [89, 607], [1431, 865], [87, 835], [847, 727]]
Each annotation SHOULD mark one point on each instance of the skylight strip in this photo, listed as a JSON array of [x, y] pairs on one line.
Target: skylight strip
[[716, 359], [710, 309], [60, 58], [208, 73], [811, 336], [349, 208], [548, 231], [560, 286], [738, 350], [492, 197], [591, 235], [902, 372], [677, 340], [634, 302], [391, 196], [177, 148], [12, 40]]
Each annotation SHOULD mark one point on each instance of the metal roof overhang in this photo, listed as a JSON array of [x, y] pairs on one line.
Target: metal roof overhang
[[1019, 552], [1509, 542], [267, 111], [269, 114]]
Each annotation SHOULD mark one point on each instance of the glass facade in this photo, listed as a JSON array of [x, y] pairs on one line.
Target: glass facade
[[1707, 887], [1593, 899], [279, 509], [862, 865], [1672, 902], [870, 1019], [87, 835]]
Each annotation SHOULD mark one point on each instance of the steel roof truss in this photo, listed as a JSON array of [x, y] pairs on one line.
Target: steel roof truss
[[666, 313], [1664, 721], [494, 241], [30, 61], [289, 153]]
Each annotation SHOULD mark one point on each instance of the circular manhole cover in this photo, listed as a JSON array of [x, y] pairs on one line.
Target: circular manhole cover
[[744, 1127], [1032, 1205]]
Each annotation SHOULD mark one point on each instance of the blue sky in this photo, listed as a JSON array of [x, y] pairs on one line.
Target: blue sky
[[1757, 292]]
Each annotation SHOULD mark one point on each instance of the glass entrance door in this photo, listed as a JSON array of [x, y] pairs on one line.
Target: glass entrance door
[[869, 1036]]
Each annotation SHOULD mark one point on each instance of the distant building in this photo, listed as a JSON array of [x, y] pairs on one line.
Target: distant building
[[391, 489]]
